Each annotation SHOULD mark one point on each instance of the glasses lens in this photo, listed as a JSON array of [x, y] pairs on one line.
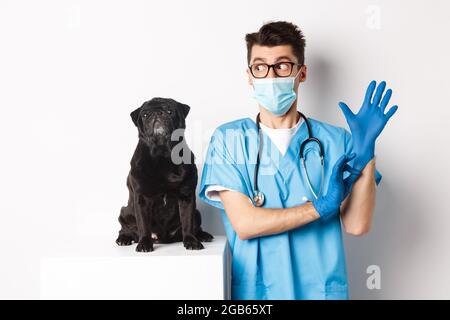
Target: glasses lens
[[259, 70], [283, 69]]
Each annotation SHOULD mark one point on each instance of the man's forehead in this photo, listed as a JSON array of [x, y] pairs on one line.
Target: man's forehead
[[272, 54]]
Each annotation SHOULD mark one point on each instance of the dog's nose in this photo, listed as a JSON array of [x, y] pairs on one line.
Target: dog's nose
[[158, 127]]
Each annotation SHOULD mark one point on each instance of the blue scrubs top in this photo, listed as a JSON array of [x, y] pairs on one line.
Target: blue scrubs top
[[303, 263]]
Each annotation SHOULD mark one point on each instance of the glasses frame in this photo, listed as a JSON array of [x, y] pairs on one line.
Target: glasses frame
[[273, 67]]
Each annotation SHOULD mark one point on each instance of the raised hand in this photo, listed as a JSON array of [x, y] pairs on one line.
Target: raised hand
[[368, 123]]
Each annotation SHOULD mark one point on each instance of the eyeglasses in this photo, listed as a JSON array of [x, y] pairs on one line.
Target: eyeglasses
[[281, 69]]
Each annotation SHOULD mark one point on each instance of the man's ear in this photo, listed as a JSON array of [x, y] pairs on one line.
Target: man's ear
[[184, 109], [135, 116], [303, 73]]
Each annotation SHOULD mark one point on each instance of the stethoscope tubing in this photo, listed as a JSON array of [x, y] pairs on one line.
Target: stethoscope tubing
[[258, 196]]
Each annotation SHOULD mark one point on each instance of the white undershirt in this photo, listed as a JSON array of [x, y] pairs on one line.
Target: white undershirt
[[281, 138]]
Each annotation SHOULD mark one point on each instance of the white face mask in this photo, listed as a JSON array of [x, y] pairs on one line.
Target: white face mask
[[275, 94]]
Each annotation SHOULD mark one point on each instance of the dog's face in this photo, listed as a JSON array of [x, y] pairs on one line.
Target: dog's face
[[156, 120]]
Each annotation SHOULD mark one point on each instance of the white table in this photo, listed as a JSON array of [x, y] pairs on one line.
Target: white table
[[99, 269]]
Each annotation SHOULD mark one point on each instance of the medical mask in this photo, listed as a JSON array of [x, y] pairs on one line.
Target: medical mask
[[275, 94]]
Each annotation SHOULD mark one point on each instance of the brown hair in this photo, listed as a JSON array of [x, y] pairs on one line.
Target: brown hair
[[278, 33]]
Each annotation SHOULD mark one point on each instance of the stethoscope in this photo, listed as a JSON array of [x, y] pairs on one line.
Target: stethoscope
[[258, 196]]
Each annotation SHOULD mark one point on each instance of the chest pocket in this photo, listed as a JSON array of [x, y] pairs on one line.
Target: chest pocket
[[313, 168]]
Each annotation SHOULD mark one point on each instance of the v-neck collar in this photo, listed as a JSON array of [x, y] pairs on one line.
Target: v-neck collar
[[287, 161], [281, 138], [291, 157]]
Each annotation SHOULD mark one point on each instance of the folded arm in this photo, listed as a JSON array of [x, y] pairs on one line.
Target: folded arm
[[249, 221]]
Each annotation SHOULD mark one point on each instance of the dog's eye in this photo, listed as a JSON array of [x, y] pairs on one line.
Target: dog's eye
[[169, 111], [144, 115]]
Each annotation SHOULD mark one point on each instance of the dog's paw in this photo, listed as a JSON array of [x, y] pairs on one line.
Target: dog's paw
[[192, 243], [204, 236], [124, 240], [145, 245]]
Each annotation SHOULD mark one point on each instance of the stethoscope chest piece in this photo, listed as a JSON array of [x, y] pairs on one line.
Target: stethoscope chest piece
[[258, 199]]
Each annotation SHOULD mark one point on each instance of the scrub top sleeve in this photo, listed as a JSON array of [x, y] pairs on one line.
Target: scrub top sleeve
[[212, 192], [220, 169], [349, 148]]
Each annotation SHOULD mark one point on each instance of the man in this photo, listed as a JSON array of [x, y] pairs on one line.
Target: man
[[288, 244]]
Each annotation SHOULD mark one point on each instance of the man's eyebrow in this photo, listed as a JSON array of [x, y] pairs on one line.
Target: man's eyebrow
[[283, 58], [278, 59], [259, 59]]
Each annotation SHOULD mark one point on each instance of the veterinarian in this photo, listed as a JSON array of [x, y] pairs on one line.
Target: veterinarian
[[284, 182]]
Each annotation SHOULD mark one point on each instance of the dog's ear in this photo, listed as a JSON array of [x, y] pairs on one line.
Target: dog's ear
[[184, 109], [135, 116]]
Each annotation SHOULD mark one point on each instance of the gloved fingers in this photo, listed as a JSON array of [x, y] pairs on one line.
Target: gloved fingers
[[379, 93], [352, 178], [341, 162], [338, 165], [391, 112], [369, 92], [350, 156], [348, 114], [385, 100], [351, 170]]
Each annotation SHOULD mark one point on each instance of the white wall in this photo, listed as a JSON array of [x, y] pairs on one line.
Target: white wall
[[72, 71]]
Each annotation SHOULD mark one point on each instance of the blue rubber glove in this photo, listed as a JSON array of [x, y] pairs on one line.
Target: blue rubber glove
[[368, 123], [338, 187]]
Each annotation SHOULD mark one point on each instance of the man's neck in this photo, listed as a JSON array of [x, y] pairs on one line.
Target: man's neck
[[288, 120]]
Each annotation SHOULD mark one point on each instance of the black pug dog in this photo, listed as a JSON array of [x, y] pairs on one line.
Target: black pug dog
[[161, 205]]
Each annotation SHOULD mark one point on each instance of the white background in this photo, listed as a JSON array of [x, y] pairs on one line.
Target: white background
[[72, 71]]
